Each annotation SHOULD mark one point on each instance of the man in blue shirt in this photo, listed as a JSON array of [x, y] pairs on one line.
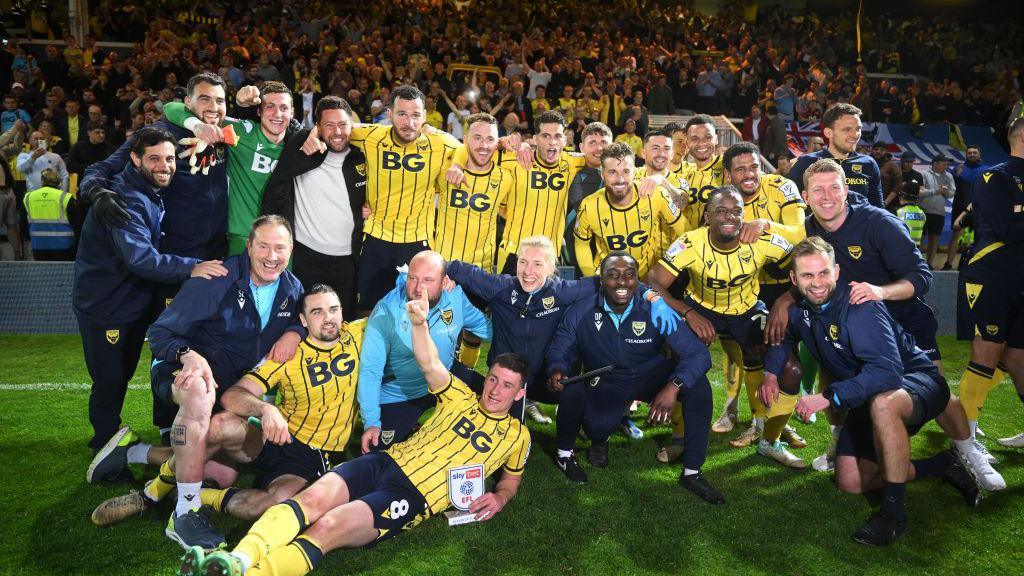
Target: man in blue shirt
[[392, 391], [885, 385], [616, 328], [842, 126], [117, 272]]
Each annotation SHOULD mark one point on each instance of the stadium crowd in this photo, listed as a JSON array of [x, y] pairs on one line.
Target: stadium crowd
[[423, 207]]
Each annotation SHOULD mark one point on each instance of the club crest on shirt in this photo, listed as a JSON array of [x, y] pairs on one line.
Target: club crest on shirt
[[386, 436], [548, 302], [361, 169], [113, 336], [856, 167], [992, 329], [855, 252], [639, 328], [833, 332], [446, 316]]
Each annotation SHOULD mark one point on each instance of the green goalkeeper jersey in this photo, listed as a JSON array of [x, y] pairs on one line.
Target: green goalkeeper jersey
[[250, 163]]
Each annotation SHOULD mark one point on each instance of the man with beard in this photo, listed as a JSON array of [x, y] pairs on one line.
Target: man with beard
[[619, 219], [251, 157], [402, 166], [322, 195], [116, 273], [705, 173], [967, 176], [721, 301], [393, 393], [616, 327], [842, 126], [295, 441], [887, 387]]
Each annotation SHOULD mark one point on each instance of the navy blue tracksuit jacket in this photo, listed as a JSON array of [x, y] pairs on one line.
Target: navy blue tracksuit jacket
[[863, 176]]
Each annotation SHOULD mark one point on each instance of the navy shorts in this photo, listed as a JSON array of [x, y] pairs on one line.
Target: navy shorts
[[397, 419], [746, 329], [917, 318], [990, 303], [162, 378], [377, 267], [378, 481], [769, 293], [934, 223], [295, 459], [929, 393]]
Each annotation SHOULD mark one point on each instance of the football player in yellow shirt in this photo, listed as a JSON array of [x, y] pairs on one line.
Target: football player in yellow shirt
[[771, 203], [618, 218], [291, 443], [705, 173], [721, 300], [381, 494]]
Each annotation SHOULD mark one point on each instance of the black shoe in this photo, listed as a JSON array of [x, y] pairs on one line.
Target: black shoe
[[959, 478], [598, 454], [699, 485], [570, 466], [947, 266], [880, 529]]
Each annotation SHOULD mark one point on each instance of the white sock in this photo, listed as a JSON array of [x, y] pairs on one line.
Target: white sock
[[188, 498], [965, 447], [243, 559], [972, 425], [688, 472], [137, 453], [564, 453], [759, 423]]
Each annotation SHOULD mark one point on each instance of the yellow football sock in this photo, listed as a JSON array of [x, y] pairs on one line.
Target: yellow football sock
[[732, 368], [469, 353], [753, 379], [216, 499], [678, 426], [296, 559], [778, 416], [975, 385], [163, 484], [278, 526]]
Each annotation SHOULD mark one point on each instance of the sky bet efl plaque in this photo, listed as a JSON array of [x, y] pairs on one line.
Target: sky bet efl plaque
[[465, 484]]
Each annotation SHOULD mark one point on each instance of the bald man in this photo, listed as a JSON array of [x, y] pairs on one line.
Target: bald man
[[392, 390]]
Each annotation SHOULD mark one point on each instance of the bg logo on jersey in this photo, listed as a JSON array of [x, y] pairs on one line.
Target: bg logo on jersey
[[480, 440], [262, 164], [394, 161], [320, 373], [719, 284], [543, 180], [463, 199], [634, 239]]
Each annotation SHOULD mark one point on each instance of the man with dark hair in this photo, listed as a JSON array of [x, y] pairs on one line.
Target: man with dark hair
[[892, 177], [380, 495], [252, 153], [322, 195], [116, 273], [705, 173], [89, 151], [616, 328], [842, 126], [72, 125], [196, 216], [402, 166], [966, 178]]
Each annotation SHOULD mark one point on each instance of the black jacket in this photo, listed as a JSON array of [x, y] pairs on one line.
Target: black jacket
[[279, 194]]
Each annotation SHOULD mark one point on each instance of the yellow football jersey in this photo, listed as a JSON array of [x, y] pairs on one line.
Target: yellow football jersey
[[635, 228], [538, 201], [675, 178], [467, 216], [725, 282], [778, 201], [702, 182], [400, 181], [317, 389], [460, 433]]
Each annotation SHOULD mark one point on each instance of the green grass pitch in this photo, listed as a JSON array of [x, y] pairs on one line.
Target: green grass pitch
[[631, 518]]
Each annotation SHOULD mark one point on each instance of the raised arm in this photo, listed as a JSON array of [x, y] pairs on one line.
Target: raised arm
[[423, 347]]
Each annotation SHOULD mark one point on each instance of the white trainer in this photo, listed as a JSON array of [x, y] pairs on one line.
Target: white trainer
[[1012, 441], [979, 467], [981, 448], [776, 451], [533, 411]]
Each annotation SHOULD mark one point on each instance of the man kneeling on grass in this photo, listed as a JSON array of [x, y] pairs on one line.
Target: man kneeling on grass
[[380, 494]]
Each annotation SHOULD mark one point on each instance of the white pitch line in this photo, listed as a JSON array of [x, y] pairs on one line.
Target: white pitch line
[[58, 386]]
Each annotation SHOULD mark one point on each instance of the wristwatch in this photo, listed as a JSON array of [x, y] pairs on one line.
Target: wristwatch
[[181, 352]]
